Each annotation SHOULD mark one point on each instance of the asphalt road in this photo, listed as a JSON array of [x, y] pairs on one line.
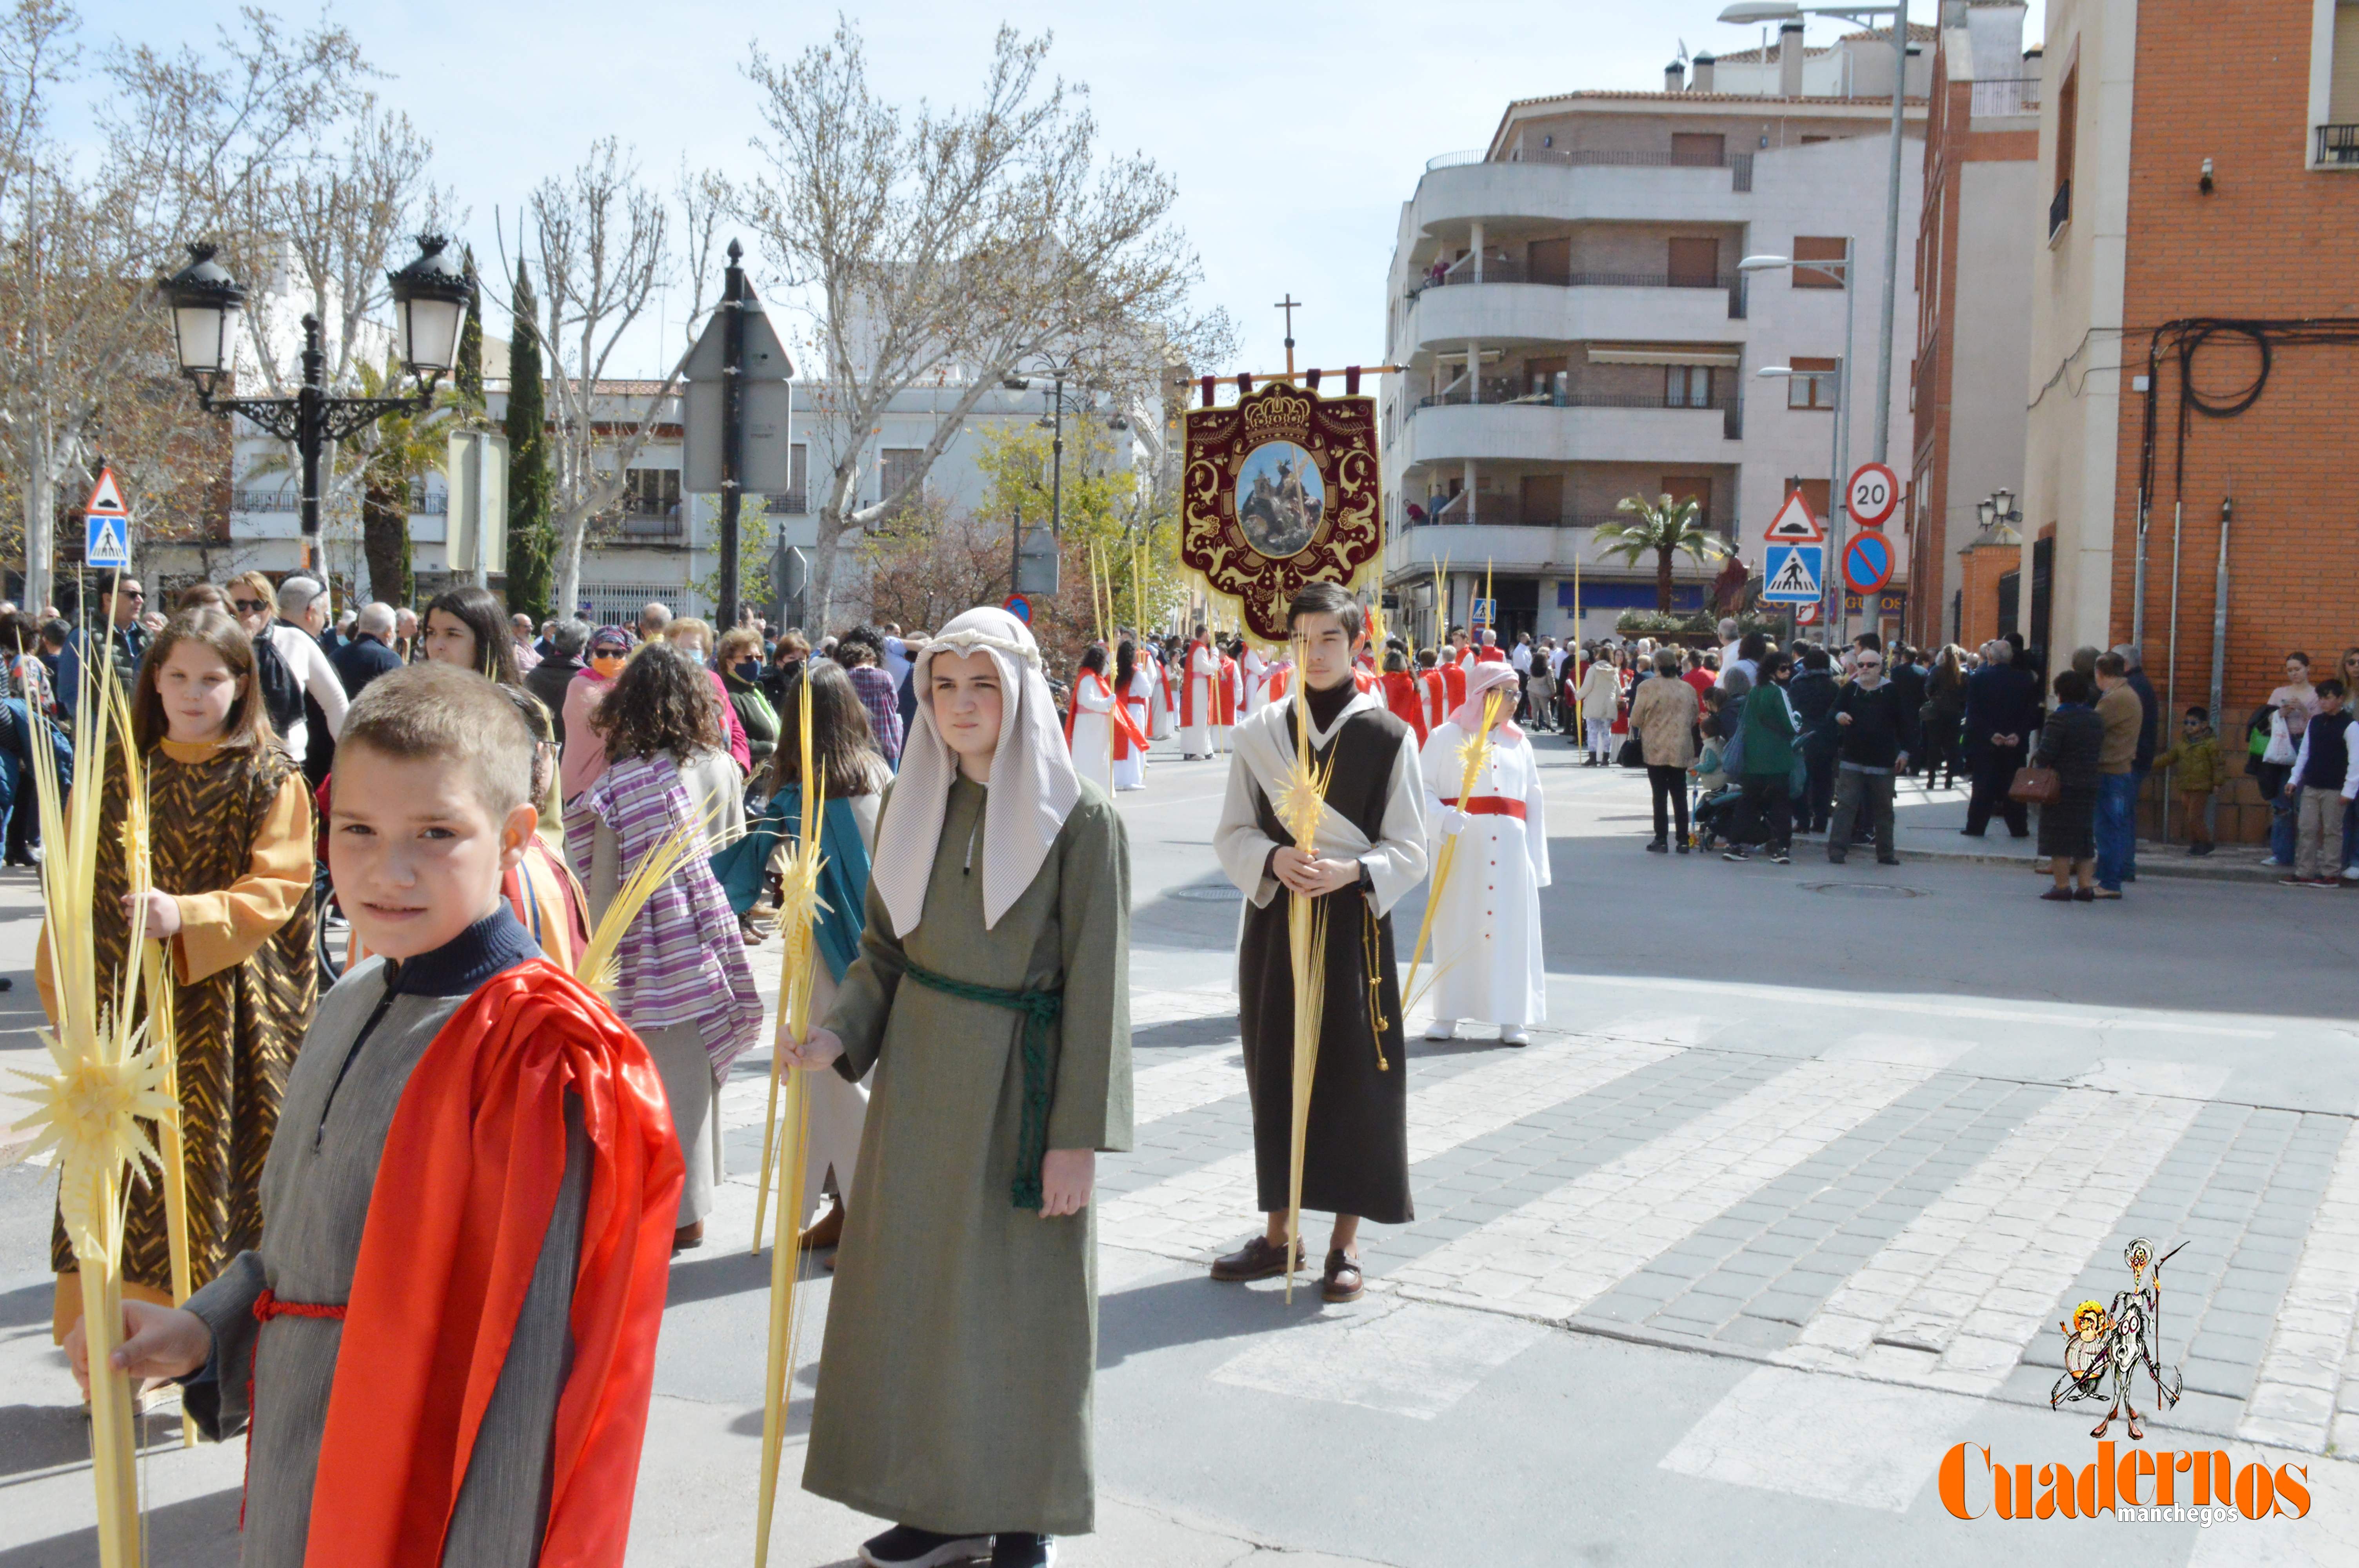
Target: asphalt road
[[1783, 1205]]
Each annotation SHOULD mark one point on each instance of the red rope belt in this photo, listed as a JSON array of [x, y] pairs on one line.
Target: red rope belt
[[267, 1306], [1490, 805]]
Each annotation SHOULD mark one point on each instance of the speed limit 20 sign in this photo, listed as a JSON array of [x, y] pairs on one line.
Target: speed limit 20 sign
[[1875, 492]]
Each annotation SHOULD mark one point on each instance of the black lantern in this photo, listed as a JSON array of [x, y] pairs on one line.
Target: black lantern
[[430, 306], [205, 302]]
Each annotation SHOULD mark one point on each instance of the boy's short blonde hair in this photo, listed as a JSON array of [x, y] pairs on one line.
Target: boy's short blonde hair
[[441, 712]]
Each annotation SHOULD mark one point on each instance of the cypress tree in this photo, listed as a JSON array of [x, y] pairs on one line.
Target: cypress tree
[[530, 554], [467, 377]]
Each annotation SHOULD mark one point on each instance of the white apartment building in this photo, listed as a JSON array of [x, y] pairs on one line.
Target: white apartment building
[[1568, 304]]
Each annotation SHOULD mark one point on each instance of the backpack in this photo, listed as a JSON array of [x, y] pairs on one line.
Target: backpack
[[282, 694]]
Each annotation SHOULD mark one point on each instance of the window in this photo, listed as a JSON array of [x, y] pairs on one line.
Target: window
[[897, 466], [1815, 389], [651, 492], [2068, 112], [1687, 386], [1698, 148], [2338, 116], [1813, 141], [799, 477], [1696, 490], [1694, 263], [1818, 248], [1814, 495], [1549, 261]]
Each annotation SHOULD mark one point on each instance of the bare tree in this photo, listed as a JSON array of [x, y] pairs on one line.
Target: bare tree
[[947, 247], [183, 140], [600, 241]]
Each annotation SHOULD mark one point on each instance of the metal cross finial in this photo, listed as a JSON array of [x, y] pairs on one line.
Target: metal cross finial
[[1290, 305]]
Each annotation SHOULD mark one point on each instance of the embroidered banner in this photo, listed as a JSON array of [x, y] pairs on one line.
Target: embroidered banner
[[1281, 488]]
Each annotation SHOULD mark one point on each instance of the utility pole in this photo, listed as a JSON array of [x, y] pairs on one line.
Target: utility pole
[[733, 429]]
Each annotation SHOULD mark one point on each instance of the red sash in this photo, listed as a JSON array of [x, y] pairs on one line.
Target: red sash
[[1189, 718], [467, 1183], [1492, 805], [1129, 733]]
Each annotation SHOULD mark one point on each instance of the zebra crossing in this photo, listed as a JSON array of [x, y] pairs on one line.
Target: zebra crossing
[[1870, 1217]]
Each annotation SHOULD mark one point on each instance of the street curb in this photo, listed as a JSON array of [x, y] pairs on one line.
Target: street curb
[[2183, 870]]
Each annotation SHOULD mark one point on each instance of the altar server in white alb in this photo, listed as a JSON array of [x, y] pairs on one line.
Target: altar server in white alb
[[1487, 924], [1257, 670], [1199, 699], [1135, 680], [1088, 721]]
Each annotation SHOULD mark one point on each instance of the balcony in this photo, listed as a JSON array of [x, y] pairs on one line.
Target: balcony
[[625, 529], [1560, 398], [1592, 306], [1584, 427], [2059, 210], [423, 502], [1511, 545], [2338, 145], [2001, 96], [1645, 187]]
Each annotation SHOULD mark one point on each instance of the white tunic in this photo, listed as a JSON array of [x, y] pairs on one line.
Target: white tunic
[[1202, 670], [1093, 738], [1257, 674], [1146, 695], [1485, 948]]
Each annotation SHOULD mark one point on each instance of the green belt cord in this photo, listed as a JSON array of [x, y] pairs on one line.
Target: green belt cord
[[1040, 1010]]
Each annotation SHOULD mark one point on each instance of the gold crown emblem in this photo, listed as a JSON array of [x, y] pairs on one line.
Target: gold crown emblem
[[1280, 410]]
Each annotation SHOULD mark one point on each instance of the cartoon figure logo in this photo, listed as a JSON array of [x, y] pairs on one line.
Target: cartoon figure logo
[[2102, 1344]]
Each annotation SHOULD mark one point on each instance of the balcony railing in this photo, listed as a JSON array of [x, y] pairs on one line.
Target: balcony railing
[[423, 502], [619, 527], [792, 503], [1498, 271], [1555, 399], [1740, 165], [1495, 510], [2006, 95], [2338, 143]]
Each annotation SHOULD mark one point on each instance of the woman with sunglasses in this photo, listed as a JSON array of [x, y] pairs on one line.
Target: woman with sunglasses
[[585, 748]]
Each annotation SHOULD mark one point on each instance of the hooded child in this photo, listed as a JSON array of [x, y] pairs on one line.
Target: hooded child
[[1486, 922], [991, 999]]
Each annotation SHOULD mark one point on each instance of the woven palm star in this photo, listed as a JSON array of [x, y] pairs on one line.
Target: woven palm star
[[89, 1111], [1302, 797]]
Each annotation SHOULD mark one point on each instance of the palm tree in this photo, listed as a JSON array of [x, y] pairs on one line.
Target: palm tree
[[1666, 526]]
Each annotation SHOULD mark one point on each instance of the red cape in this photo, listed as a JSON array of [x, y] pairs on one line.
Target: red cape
[[1407, 702], [1453, 684], [1225, 699], [470, 1174]]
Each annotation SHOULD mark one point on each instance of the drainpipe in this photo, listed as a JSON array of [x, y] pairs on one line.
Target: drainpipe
[[2220, 607]]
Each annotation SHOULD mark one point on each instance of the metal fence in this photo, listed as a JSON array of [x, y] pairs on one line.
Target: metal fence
[[2007, 95], [619, 603]]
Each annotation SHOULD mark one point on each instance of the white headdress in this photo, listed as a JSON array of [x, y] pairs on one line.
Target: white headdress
[[1033, 784]]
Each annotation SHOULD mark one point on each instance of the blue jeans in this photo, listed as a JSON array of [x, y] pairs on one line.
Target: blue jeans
[[2282, 820], [2116, 827]]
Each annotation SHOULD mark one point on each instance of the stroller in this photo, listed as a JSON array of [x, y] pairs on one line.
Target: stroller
[[1713, 809]]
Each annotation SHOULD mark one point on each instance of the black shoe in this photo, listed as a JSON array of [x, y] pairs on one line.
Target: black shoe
[[1658, 847], [1835, 858], [1682, 846], [1022, 1549], [907, 1546], [1737, 853], [1260, 1258], [1780, 857]]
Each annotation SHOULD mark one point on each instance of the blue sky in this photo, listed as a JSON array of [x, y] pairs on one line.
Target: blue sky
[[1293, 147]]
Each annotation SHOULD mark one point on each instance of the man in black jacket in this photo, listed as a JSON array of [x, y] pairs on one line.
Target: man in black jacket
[[548, 679], [1812, 694], [1875, 731], [1909, 680], [2001, 710], [370, 653]]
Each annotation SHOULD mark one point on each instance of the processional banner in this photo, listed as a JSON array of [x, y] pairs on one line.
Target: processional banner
[[1281, 488]]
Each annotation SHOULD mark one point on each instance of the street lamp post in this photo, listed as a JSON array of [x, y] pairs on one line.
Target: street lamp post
[[1747, 12], [429, 302], [1838, 500], [1056, 372]]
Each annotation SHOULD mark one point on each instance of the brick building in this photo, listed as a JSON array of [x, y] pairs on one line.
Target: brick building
[[2194, 335], [1979, 228]]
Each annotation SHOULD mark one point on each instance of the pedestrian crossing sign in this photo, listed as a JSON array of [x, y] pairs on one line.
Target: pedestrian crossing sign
[[106, 541], [1794, 525], [1794, 573]]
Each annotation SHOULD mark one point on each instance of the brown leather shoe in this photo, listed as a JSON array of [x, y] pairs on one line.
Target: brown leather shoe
[[1260, 1258], [827, 1232], [687, 1236], [1342, 1282]]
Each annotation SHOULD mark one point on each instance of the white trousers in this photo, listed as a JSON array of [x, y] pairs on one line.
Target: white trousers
[[1600, 736]]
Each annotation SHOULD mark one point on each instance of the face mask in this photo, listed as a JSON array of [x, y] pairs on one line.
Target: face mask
[[748, 669]]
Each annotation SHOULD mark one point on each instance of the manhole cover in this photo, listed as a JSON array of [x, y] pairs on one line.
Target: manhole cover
[[1863, 890], [1216, 893]]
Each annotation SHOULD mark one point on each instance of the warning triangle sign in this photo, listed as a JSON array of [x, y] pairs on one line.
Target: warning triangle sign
[[1794, 576], [106, 495], [1794, 525]]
